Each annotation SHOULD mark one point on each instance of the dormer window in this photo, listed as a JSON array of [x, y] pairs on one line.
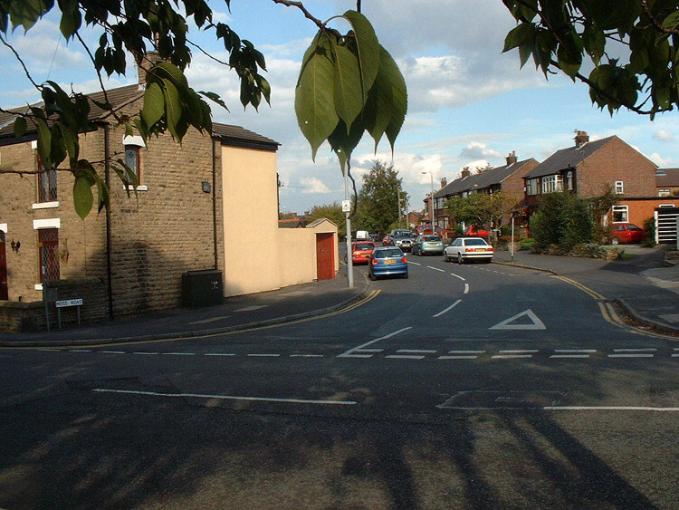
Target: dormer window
[[619, 188]]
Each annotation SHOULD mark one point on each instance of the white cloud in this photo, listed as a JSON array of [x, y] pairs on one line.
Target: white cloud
[[663, 135], [313, 185], [479, 150], [659, 160]]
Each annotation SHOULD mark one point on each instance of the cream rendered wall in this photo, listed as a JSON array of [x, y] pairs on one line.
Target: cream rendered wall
[[250, 221], [297, 255]]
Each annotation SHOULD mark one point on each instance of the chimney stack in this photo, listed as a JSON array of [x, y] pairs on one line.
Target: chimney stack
[[144, 63], [511, 158], [444, 181], [581, 138], [465, 172]]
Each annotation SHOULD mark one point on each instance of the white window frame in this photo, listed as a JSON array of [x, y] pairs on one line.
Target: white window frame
[[532, 187], [664, 193], [3, 227], [620, 209], [619, 187], [136, 141], [552, 184]]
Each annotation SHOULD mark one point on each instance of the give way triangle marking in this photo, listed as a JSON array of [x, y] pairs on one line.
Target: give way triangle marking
[[535, 323]]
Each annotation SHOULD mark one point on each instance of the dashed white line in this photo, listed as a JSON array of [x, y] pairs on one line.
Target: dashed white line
[[414, 263], [251, 308], [362, 348], [179, 353], [466, 288], [227, 354], [265, 355], [630, 355], [404, 356], [211, 319], [675, 355], [227, 397], [79, 350], [436, 269], [458, 276], [588, 351], [458, 357], [569, 356], [466, 352], [635, 350], [518, 351], [511, 356], [418, 351], [447, 309], [113, 352], [145, 352], [307, 355]]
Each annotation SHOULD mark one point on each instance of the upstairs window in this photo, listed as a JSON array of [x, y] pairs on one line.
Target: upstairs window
[[532, 187], [619, 188], [552, 184], [47, 183]]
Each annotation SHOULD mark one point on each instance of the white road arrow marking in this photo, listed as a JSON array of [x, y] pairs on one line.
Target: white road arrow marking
[[536, 323]]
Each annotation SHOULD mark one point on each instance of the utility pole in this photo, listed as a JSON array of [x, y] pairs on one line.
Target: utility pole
[[431, 202], [346, 207]]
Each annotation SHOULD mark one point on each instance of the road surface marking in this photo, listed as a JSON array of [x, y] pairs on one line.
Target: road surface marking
[[458, 276], [80, 350], [267, 355], [458, 357], [436, 269], [630, 355], [675, 355], [228, 397], [589, 351], [145, 352], [466, 288], [307, 355], [568, 356], [536, 323], [211, 319], [219, 354], [362, 347], [562, 408], [447, 309], [180, 353], [466, 352], [418, 351], [511, 356], [403, 356], [113, 352], [518, 351], [635, 350], [414, 263], [251, 308]]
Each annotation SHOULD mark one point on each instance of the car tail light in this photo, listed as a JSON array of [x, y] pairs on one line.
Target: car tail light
[[374, 262], [404, 260]]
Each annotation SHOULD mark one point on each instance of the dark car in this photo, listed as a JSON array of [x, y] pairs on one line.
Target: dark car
[[388, 261], [627, 233], [388, 241]]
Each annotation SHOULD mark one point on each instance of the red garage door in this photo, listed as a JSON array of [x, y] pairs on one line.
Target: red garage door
[[325, 257]]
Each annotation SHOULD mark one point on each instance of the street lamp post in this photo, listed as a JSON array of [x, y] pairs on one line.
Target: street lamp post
[[431, 201]]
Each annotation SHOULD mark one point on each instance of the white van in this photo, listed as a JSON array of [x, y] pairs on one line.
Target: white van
[[362, 235]]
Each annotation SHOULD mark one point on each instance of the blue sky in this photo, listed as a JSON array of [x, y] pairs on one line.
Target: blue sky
[[468, 103]]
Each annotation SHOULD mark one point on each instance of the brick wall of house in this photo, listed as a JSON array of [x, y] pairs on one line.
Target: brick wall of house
[[641, 210], [165, 230], [513, 186], [616, 161], [80, 242]]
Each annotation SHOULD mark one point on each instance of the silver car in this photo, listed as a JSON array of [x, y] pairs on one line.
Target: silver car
[[428, 245]]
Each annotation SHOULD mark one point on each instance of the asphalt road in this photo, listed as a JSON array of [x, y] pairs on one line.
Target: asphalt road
[[473, 386]]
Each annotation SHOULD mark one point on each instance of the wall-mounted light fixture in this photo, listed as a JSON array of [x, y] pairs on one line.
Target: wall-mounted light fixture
[[16, 246]]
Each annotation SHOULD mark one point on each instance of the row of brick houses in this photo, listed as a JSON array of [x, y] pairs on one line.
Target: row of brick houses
[[187, 213], [588, 169]]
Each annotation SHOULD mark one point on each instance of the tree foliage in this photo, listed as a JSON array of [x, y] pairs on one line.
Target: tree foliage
[[333, 212], [480, 209], [584, 38], [348, 83], [378, 206], [561, 219]]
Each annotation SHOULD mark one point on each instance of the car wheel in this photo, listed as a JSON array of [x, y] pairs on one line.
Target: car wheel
[[405, 276], [459, 259]]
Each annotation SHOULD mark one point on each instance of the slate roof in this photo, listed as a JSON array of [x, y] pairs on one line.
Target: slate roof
[[667, 177], [486, 179], [121, 96], [567, 158]]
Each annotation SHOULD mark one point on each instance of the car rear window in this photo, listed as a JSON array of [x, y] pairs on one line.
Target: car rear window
[[364, 246], [632, 227], [475, 242], [431, 238], [383, 254]]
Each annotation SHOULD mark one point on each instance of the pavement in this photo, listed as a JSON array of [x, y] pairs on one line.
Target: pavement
[[646, 286], [237, 313]]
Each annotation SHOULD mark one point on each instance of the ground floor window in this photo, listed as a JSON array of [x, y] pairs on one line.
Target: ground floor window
[[48, 248], [620, 214]]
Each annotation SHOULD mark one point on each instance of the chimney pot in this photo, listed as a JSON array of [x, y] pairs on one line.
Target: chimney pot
[[581, 138], [511, 158], [444, 181], [465, 172]]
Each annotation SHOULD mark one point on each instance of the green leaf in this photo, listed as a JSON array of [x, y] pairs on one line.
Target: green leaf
[[343, 140], [214, 97], [166, 69], [82, 196], [594, 41], [71, 143], [519, 35], [19, 126], [348, 94], [44, 142], [314, 100], [70, 18], [399, 97], [154, 105], [368, 49], [671, 21], [173, 108]]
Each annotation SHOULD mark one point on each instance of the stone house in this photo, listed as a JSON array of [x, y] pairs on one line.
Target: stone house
[[590, 169], [507, 178], [193, 210]]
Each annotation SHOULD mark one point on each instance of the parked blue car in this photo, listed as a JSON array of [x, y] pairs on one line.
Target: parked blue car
[[388, 261]]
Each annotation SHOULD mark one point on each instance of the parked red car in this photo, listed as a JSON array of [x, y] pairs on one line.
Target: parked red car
[[472, 231], [626, 233], [361, 252]]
